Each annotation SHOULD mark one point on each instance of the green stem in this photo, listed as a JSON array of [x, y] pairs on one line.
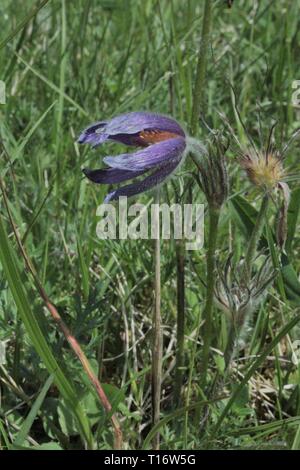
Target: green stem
[[201, 66], [157, 337], [255, 236], [214, 214]]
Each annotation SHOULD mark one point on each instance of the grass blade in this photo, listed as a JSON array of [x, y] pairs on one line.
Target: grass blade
[[26, 426], [12, 274]]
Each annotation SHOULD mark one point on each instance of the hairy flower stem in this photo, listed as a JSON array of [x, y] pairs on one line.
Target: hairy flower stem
[[157, 335], [255, 236], [180, 258], [214, 214], [65, 330], [198, 92]]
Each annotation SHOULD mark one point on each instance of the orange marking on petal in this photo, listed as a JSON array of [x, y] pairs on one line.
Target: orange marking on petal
[[154, 136]]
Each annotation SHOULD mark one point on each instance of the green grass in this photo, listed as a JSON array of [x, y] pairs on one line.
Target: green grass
[[66, 64]]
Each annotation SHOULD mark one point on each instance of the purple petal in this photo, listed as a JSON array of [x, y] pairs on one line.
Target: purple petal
[[129, 124], [96, 126], [110, 175], [149, 157], [148, 183], [132, 123], [93, 139]]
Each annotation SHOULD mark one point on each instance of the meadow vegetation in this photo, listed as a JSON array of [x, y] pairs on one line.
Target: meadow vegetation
[[66, 64]]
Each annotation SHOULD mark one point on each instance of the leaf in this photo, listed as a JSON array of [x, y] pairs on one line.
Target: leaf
[[90, 402], [66, 419], [48, 446], [45, 446], [93, 409], [246, 214], [26, 426]]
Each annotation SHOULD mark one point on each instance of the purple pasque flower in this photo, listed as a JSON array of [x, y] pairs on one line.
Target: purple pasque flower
[[163, 143]]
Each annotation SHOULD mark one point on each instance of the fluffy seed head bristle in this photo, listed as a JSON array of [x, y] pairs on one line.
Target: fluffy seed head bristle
[[265, 171]]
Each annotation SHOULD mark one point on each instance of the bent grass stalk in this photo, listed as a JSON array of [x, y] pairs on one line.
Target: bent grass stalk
[[65, 330]]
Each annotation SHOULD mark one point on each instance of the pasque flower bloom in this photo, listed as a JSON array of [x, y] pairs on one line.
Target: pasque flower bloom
[[163, 143]]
